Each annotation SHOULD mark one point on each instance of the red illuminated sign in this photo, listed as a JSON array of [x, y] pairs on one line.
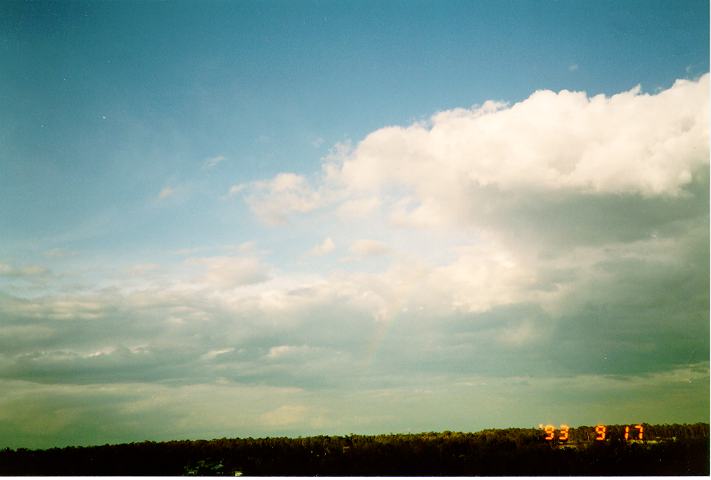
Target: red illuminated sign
[[601, 433]]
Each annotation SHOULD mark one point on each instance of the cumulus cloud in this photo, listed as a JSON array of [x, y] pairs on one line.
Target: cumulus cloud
[[359, 207], [524, 263], [556, 244], [535, 203], [629, 143], [274, 200]]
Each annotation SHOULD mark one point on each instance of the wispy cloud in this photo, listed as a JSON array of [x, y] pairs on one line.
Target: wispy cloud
[[166, 192], [230, 271], [7, 270], [59, 253], [212, 162], [236, 189], [144, 268], [324, 248], [368, 248]]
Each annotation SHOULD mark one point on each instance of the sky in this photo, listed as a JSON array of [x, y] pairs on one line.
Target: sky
[[260, 218]]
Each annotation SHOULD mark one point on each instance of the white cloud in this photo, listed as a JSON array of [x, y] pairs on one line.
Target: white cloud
[[236, 189], [243, 248], [230, 271], [284, 416], [567, 143], [274, 200], [188, 251], [58, 308], [59, 253], [368, 248], [167, 192], [216, 353], [324, 248], [144, 268], [359, 207], [630, 143], [571, 227], [212, 162], [22, 272], [280, 351]]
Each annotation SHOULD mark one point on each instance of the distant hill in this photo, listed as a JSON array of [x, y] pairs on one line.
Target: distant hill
[[665, 450]]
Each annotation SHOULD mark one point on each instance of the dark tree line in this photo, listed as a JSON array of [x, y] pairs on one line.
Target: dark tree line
[[670, 450]]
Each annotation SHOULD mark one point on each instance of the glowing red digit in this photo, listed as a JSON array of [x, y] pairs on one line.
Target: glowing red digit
[[641, 431], [564, 435], [601, 430], [550, 432], [627, 433]]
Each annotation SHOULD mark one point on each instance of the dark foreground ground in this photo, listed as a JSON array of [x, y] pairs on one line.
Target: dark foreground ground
[[665, 450]]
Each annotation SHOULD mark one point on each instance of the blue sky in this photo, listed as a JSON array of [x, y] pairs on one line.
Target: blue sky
[[272, 194]]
